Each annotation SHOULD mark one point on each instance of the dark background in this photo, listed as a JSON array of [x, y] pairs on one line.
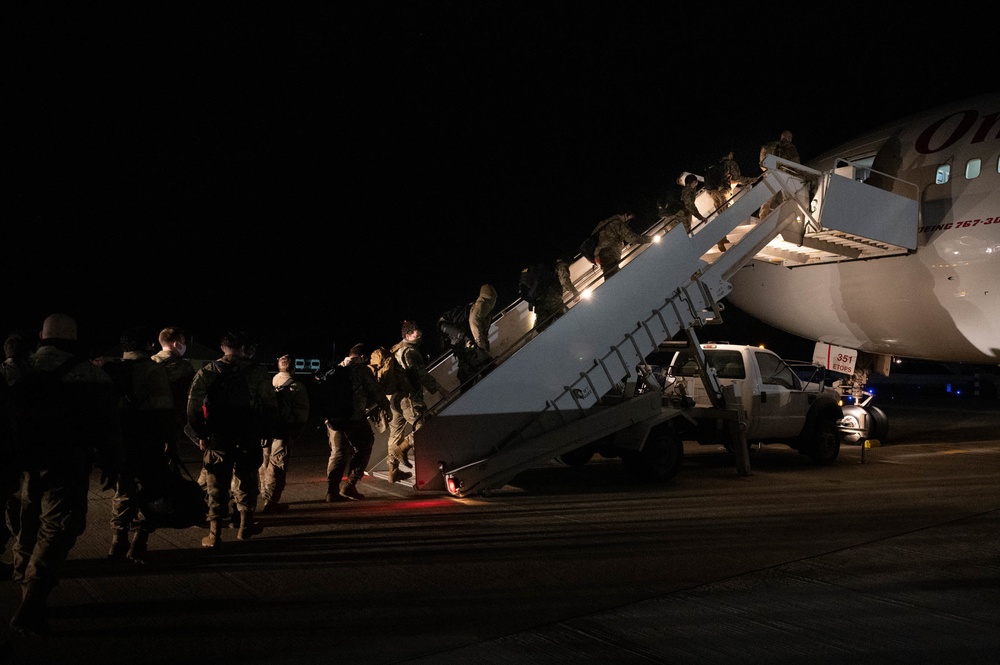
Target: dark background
[[317, 174]]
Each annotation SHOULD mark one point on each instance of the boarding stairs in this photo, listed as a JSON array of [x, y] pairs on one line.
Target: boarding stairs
[[576, 382]]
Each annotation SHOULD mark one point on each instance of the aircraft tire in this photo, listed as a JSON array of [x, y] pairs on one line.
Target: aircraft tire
[[878, 427]]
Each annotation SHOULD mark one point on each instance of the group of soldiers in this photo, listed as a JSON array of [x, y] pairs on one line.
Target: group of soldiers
[[63, 414]]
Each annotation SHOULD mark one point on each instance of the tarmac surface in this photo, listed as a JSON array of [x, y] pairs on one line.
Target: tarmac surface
[[889, 555]]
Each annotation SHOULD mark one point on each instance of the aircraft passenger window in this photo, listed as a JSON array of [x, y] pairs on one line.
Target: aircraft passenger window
[[943, 174], [973, 168]]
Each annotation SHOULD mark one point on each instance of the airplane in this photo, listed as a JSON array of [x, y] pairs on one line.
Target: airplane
[[939, 302]]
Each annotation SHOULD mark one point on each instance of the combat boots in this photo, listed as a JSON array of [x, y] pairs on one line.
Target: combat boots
[[214, 537], [395, 475], [119, 545], [246, 525], [349, 489], [137, 550], [404, 451]]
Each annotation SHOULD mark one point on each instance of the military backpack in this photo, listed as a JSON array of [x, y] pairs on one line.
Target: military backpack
[[389, 375]]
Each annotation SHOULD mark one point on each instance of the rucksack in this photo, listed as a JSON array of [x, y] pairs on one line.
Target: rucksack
[[457, 318], [715, 177], [589, 246], [772, 148], [230, 408], [336, 395], [134, 422], [388, 373], [535, 280], [670, 203], [44, 408], [286, 397]]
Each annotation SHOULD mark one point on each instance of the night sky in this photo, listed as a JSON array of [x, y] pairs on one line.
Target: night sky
[[319, 174]]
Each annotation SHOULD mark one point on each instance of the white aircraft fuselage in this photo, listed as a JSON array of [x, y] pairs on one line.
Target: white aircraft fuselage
[[940, 302]]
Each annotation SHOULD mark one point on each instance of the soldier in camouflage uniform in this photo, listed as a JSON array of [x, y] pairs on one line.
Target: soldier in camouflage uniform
[[351, 440], [292, 419], [551, 304], [180, 372], [689, 211], [785, 149], [408, 406], [471, 343], [731, 176], [146, 412], [79, 426], [232, 449], [481, 316], [614, 234]]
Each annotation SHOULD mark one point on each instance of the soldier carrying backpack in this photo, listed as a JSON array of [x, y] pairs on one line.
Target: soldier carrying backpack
[[293, 413], [784, 149], [351, 391], [464, 331], [232, 407], [389, 375], [542, 286]]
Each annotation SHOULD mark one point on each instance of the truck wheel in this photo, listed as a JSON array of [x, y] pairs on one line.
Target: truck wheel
[[825, 444], [659, 460], [577, 457]]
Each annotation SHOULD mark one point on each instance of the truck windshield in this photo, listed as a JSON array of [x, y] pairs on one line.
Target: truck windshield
[[727, 364]]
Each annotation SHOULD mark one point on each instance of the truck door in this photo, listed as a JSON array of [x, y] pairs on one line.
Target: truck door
[[782, 407]]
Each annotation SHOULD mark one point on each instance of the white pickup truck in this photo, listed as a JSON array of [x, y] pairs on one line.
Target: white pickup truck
[[731, 394], [781, 401]]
